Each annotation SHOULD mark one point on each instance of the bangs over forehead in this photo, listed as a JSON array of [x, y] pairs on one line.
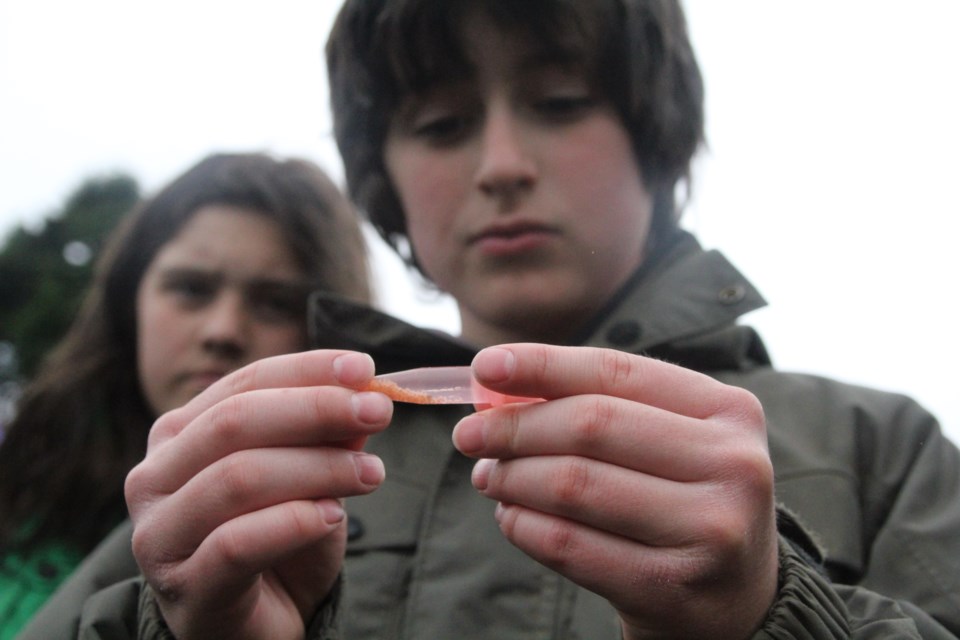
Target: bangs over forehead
[[425, 42]]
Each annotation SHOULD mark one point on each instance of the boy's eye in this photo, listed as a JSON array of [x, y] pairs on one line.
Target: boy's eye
[[441, 115], [564, 107], [441, 129]]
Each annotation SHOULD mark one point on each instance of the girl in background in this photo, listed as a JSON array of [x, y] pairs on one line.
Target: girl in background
[[210, 274]]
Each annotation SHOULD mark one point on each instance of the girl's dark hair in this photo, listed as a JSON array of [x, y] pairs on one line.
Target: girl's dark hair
[[82, 423], [381, 51]]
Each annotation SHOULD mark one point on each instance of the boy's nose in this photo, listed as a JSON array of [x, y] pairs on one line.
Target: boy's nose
[[506, 164]]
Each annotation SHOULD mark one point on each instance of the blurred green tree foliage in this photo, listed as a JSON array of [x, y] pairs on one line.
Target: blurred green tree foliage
[[44, 273]]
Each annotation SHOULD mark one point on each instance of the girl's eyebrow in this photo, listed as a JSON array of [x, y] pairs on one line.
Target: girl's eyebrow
[[176, 271], [292, 283]]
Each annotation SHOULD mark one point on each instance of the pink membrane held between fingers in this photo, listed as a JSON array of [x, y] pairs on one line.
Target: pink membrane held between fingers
[[440, 385]]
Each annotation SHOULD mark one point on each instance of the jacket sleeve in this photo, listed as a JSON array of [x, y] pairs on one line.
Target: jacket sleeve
[[914, 527], [810, 607], [153, 627], [128, 610], [891, 528]]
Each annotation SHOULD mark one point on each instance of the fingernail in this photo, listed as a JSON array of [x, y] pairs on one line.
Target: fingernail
[[481, 473], [494, 364], [370, 407], [331, 511], [468, 435], [369, 469], [352, 368], [499, 511]]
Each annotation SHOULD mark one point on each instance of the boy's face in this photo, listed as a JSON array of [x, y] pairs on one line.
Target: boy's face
[[522, 195]]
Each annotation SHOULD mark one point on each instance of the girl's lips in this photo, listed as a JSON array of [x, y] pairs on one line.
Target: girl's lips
[[507, 240], [203, 379]]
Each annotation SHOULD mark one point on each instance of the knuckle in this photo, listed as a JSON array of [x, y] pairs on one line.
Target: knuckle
[[142, 545], [746, 475], [559, 543], [619, 368], [540, 362], [507, 437], [227, 418], [136, 480], [320, 402], [226, 422], [151, 555], [754, 474], [166, 426], [591, 421], [144, 484], [742, 407], [230, 549], [305, 522], [244, 378], [724, 530], [571, 481], [238, 478]]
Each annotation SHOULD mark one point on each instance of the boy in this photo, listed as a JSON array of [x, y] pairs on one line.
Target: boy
[[529, 152]]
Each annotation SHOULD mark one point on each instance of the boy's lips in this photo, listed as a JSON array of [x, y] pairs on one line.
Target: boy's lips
[[511, 239]]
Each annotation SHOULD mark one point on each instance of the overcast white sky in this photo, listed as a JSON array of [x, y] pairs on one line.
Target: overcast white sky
[[830, 181]]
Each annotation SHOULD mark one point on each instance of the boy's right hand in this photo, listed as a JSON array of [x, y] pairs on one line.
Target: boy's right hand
[[236, 507]]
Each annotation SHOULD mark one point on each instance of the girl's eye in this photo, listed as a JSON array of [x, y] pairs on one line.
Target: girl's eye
[[275, 305], [191, 291]]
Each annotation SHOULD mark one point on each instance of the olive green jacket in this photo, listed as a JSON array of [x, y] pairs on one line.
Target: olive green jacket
[[869, 491]]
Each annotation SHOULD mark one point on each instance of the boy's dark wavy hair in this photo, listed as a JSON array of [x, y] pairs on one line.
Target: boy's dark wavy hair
[[381, 51]]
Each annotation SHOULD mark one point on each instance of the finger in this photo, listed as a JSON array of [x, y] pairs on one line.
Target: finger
[[257, 541], [553, 372], [259, 419], [305, 369], [237, 559], [250, 481], [570, 549], [621, 432], [650, 582], [625, 433], [646, 509]]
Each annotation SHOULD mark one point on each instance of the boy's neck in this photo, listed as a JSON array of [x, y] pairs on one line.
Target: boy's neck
[[482, 335]]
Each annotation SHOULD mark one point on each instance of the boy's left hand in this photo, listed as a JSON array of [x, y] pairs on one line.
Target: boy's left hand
[[644, 482]]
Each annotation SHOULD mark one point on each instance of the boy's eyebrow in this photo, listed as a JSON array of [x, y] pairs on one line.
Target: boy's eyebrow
[[555, 57], [528, 64]]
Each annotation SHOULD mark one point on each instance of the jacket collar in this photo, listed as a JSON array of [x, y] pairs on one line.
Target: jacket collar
[[682, 306], [338, 323], [684, 292]]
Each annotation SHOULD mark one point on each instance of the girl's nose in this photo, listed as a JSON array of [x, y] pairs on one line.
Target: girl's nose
[[225, 325]]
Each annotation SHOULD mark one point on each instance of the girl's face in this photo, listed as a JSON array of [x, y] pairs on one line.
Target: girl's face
[[522, 194], [225, 291]]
